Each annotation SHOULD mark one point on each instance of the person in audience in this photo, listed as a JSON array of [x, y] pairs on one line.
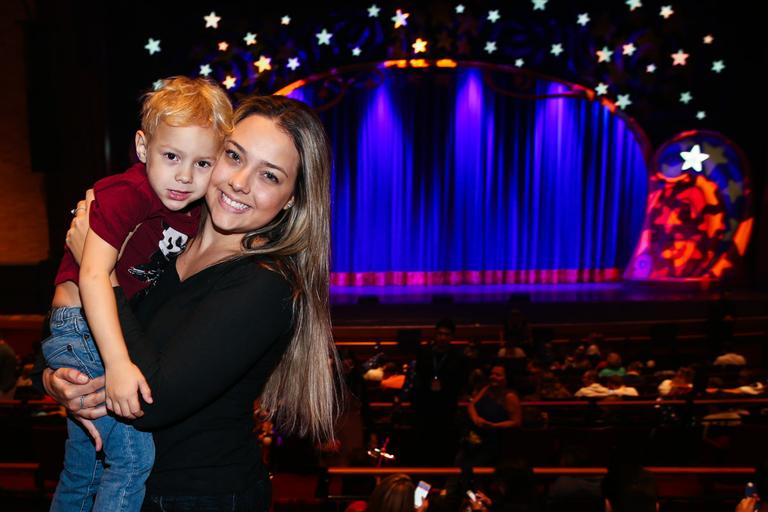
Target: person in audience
[[629, 488], [634, 378], [392, 378], [439, 377], [680, 384], [393, 494], [567, 490], [8, 371], [612, 366], [550, 388], [617, 388], [729, 357], [578, 360], [493, 410], [591, 387], [760, 488]]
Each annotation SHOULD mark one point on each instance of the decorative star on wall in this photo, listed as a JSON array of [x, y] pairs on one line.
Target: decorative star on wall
[[539, 5], [601, 89], [623, 101], [212, 21], [460, 9], [693, 159], [666, 11], [324, 37], [264, 64], [634, 4], [419, 46], [293, 63], [285, 20], [373, 11], [229, 82], [583, 19], [249, 39], [628, 49], [679, 58], [205, 70], [556, 49], [604, 55], [153, 46], [686, 97], [400, 18], [490, 46], [718, 66]]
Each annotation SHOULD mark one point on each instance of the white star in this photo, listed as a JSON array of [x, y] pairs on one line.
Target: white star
[[153, 46], [583, 19], [373, 11], [539, 5], [701, 115], [490, 46], [601, 89], [293, 63], [205, 70], [229, 82], [629, 49], [718, 66], [634, 4], [686, 97], [249, 39], [212, 21], [519, 63], [604, 55], [223, 46], [623, 102], [493, 16], [708, 39], [460, 9], [285, 20], [420, 46], [650, 68], [556, 49], [264, 64], [400, 18], [324, 37], [356, 51], [678, 59], [666, 11], [692, 159], [157, 84]]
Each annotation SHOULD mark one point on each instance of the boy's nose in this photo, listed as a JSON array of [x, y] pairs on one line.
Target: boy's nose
[[184, 176]]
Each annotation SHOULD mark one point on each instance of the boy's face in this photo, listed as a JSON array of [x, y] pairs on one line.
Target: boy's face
[[179, 161]]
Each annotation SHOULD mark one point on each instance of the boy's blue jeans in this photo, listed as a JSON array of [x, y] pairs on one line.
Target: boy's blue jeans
[[87, 482]]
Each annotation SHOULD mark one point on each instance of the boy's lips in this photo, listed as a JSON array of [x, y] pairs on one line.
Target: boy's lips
[[178, 195]]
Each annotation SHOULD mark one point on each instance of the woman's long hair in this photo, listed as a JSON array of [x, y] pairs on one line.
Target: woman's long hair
[[393, 494], [301, 394]]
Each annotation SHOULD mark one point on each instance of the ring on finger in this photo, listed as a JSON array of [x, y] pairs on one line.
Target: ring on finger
[[82, 402], [74, 211]]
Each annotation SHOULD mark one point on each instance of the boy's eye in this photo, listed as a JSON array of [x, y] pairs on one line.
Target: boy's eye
[[205, 164], [232, 155], [171, 156]]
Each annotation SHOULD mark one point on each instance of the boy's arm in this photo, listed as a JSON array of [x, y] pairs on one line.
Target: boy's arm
[[123, 379]]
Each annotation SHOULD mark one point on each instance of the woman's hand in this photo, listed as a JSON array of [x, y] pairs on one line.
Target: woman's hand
[[482, 423], [81, 396], [747, 505], [78, 228]]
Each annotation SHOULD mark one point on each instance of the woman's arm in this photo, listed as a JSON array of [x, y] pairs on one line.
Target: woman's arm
[[212, 346], [512, 405], [472, 411]]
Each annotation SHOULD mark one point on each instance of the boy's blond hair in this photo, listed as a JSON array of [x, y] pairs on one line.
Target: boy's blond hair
[[184, 101]]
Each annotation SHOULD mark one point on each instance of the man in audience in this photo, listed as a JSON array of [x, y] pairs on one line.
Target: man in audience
[[612, 366], [634, 378], [591, 387]]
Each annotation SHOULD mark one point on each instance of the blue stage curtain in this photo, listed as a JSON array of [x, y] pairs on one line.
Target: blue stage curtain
[[439, 179]]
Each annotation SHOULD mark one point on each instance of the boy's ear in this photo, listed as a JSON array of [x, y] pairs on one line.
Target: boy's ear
[[141, 146]]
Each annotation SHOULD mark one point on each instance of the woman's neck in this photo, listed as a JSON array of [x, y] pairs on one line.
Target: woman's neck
[[208, 248]]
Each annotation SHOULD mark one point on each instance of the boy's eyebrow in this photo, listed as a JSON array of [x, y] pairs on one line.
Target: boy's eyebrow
[[175, 149], [263, 162]]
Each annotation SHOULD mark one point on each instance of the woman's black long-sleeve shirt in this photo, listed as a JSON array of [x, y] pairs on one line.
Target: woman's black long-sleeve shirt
[[207, 346]]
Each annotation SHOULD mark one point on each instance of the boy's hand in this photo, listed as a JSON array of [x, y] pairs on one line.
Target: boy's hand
[[124, 383]]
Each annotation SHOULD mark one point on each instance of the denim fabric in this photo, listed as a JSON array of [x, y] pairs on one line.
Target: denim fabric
[[255, 499], [88, 482]]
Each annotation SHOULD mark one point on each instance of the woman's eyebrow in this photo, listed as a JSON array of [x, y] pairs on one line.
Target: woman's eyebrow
[[265, 163]]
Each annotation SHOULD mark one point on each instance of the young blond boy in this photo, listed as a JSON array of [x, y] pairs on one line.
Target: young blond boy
[[149, 212]]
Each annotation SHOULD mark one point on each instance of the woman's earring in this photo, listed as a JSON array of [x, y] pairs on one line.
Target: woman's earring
[[289, 205]]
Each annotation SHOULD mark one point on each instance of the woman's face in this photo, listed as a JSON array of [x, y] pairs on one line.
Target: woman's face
[[498, 377], [255, 177]]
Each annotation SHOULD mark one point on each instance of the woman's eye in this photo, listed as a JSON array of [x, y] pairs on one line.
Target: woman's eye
[[233, 155], [271, 176], [171, 156]]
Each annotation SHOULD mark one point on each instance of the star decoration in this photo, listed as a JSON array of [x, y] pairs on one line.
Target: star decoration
[[700, 115], [556, 49], [493, 16], [373, 11], [666, 11], [324, 37], [205, 70], [420, 46], [623, 101], [249, 39], [634, 4], [264, 64], [692, 159], [490, 46], [601, 89], [460, 9], [285, 20], [519, 63], [686, 97], [229, 82], [157, 84], [293, 63], [628, 49], [604, 55], [153, 46], [583, 19], [539, 5], [678, 59], [708, 39], [400, 18], [212, 21], [650, 68], [356, 51], [223, 46], [718, 66]]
